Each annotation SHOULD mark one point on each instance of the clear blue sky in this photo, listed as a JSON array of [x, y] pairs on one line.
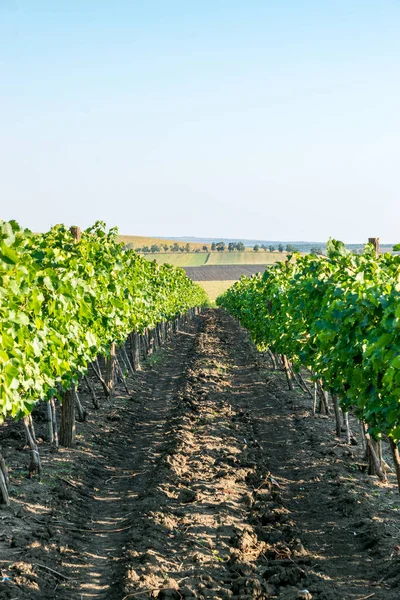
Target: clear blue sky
[[255, 119]]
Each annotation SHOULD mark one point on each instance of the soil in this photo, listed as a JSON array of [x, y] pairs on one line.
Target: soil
[[209, 480], [223, 272]]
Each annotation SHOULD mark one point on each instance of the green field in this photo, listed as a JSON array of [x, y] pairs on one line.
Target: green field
[[214, 288], [245, 258], [179, 259]]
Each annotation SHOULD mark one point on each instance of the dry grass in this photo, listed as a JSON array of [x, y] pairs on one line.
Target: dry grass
[[215, 288], [179, 259]]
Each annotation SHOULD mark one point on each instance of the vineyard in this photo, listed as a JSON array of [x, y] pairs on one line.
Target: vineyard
[[67, 299], [339, 317], [192, 461]]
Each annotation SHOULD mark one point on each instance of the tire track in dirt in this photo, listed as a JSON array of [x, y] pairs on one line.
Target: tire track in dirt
[[125, 471], [193, 537]]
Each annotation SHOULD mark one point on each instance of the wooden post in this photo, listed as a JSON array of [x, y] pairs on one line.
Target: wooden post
[[396, 459], [76, 233], [35, 465], [374, 447], [315, 398], [110, 370], [52, 405], [135, 350], [347, 426], [68, 429], [375, 243], [337, 414], [4, 498]]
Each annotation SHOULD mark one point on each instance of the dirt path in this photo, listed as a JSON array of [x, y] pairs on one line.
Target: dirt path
[[129, 465], [343, 517], [211, 481]]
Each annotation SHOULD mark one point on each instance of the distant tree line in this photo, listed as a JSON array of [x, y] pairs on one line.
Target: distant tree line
[[232, 247], [270, 248], [217, 247], [157, 248]]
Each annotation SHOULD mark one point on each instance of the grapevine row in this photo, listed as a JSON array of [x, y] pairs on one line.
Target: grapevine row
[[67, 298], [338, 315]]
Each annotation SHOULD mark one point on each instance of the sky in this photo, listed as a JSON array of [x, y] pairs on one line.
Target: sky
[[267, 119]]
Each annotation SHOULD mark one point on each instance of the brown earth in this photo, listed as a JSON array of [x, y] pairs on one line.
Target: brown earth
[[210, 480]]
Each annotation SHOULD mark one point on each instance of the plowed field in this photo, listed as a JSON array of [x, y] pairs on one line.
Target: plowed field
[[222, 272]]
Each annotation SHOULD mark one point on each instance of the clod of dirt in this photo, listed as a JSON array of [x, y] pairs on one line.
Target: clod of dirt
[[293, 593], [285, 577], [347, 505], [187, 495], [244, 541], [392, 575], [169, 594], [132, 576], [250, 586], [298, 549], [262, 494], [274, 536], [187, 592]]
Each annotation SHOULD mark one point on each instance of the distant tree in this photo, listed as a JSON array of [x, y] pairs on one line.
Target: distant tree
[[271, 248], [128, 246], [264, 247], [315, 250], [175, 247], [240, 247], [154, 248], [205, 248], [182, 248], [187, 248], [256, 247], [197, 250], [213, 246], [145, 249], [280, 248], [139, 249], [290, 248], [220, 246], [165, 247], [231, 247]]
